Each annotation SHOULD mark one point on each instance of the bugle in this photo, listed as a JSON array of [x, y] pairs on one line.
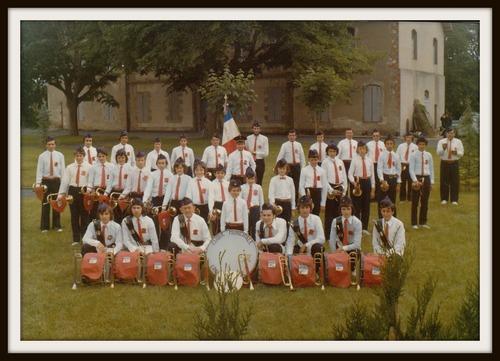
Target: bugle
[[53, 197], [417, 185], [42, 186], [354, 258], [158, 209], [108, 275], [279, 209], [142, 269], [357, 188], [336, 187], [285, 271], [244, 256], [384, 186], [204, 265], [318, 259]]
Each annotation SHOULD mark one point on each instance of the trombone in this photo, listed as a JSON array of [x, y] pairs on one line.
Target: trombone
[[285, 271], [357, 188], [354, 258], [318, 259]]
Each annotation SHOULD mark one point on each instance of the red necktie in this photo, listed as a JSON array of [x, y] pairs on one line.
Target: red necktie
[[364, 168], [103, 178], [315, 181], [241, 164], [293, 154], [376, 152], [386, 230], [407, 151], [160, 188], [78, 177], [249, 198], [90, 158], [269, 231], [189, 230], [177, 188], [200, 191], [305, 229], [223, 195], [103, 232], [449, 149], [320, 152], [120, 178], [389, 162], [336, 173], [422, 163], [234, 211], [216, 158], [344, 241], [51, 165], [255, 148], [350, 149], [139, 230], [139, 182]]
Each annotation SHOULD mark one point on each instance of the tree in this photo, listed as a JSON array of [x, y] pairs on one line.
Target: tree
[[237, 88], [73, 57], [461, 68]]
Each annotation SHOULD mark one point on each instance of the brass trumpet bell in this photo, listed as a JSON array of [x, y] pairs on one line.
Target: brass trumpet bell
[[42, 186], [384, 186], [356, 191], [53, 197], [417, 185], [336, 187], [216, 213], [279, 209]]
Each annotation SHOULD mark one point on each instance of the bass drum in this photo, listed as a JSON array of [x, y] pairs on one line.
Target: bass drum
[[228, 250]]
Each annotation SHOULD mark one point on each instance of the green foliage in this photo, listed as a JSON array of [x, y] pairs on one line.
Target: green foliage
[[466, 321], [224, 319], [461, 67], [470, 162], [42, 118]]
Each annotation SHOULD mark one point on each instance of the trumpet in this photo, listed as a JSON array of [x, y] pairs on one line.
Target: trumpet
[[285, 270], [245, 256], [53, 197], [279, 209], [336, 187], [384, 186], [318, 259], [142, 269], [357, 191], [354, 258]]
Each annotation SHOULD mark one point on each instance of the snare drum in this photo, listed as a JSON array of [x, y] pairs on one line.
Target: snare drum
[[228, 250]]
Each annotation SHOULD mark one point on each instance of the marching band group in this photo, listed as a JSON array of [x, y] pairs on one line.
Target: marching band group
[[178, 203]]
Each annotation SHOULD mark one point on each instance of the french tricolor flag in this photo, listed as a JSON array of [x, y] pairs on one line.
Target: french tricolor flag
[[230, 131]]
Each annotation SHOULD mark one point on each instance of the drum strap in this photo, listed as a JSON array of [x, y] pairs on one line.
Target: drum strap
[[261, 232], [296, 229], [130, 225], [339, 227], [182, 226], [381, 233], [97, 227]]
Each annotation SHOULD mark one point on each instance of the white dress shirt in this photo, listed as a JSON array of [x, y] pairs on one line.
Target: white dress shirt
[[95, 175], [153, 187], [347, 149], [211, 152], [133, 181], [321, 149], [234, 163], [257, 198], [288, 149], [152, 157], [227, 214], [259, 144], [126, 171], [216, 191], [193, 191], [113, 235], [93, 155], [198, 231], [129, 150], [278, 232], [69, 178], [315, 233], [447, 154], [306, 180], [356, 170], [281, 188], [371, 149], [148, 231], [43, 167], [335, 168], [185, 153], [354, 229], [172, 192], [383, 165], [396, 238], [401, 151]]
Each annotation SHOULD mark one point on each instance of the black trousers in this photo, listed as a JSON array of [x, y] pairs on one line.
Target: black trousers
[[377, 183], [316, 198], [215, 225], [450, 181], [295, 175], [391, 193], [287, 210], [163, 236], [259, 170], [52, 187], [421, 196], [347, 165], [331, 212], [253, 217], [362, 203], [79, 216], [405, 190], [316, 248]]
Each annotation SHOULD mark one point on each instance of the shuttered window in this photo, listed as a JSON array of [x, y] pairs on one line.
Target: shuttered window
[[372, 103]]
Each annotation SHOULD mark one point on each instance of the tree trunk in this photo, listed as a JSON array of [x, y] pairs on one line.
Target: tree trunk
[[73, 117], [214, 125]]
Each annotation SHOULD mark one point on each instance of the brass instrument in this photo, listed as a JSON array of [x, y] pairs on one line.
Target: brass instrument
[[216, 213], [53, 197], [244, 256], [156, 210], [108, 275], [318, 259], [357, 189], [204, 264], [384, 186], [114, 199], [43, 186], [285, 270], [279, 209], [209, 175], [336, 187], [353, 258], [148, 206], [142, 268], [417, 185]]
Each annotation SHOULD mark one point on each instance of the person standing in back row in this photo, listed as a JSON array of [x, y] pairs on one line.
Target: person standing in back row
[[450, 150], [258, 145], [49, 172], [320, 147], [293, 153], [375, 149], [123, 145], [405, 150], [347, 149]]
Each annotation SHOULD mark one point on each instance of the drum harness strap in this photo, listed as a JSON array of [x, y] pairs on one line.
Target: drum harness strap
[[261, 232], [381, 233], [339, 228], [130, 225], [97, 227], [296, 229], [183, 227]]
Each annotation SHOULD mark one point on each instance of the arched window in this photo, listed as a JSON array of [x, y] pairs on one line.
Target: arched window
[[414, 40], [435, 46]]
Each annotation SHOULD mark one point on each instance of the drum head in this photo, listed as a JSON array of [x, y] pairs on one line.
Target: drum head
[[230, 280], [234, 247]]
